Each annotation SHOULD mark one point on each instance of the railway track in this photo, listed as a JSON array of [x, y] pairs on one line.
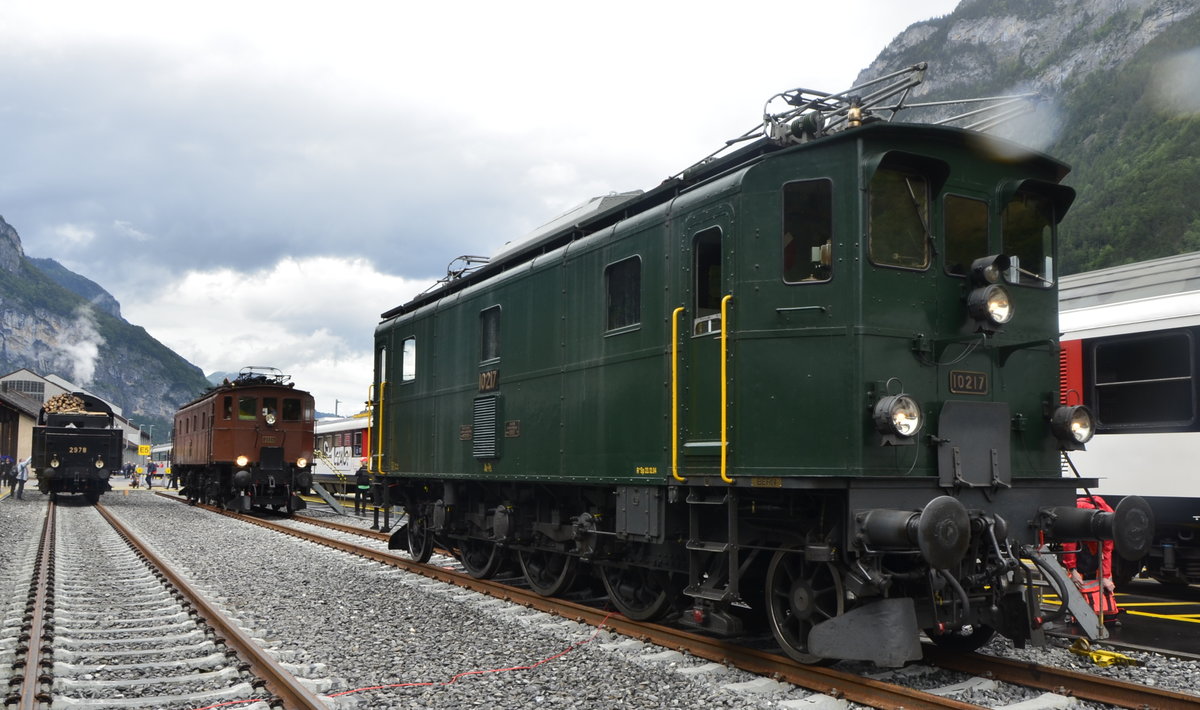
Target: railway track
[[107, 624], [833, 682]]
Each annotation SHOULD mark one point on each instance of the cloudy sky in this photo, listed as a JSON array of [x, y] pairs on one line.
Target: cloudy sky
[[256, 181]]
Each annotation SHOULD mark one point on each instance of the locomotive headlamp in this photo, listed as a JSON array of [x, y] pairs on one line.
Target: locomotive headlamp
[[990, 269], [242, 461], [54, 462], [269, 416], [898, 415], [99, 463], [301, 462], [1073, 425], [990, 303]]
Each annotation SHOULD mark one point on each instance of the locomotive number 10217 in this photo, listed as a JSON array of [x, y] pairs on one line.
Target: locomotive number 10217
[[967, 382]]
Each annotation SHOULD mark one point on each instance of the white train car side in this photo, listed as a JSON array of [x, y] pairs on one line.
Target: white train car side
[[1131, 353], [341, 445]]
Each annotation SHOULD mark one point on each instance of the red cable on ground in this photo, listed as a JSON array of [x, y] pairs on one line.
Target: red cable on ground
[[453, 679]]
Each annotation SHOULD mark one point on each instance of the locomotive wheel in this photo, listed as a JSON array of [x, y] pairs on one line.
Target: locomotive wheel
[[799, 595], [480, 558], [638, 593], [548, 573], [964, 639], [420, 539]]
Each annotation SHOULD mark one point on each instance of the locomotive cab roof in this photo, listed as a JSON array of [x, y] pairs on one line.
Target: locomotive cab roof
[[810, 119]]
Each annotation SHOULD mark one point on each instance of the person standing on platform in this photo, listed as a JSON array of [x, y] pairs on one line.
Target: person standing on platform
[[22, 476], [362, 484]]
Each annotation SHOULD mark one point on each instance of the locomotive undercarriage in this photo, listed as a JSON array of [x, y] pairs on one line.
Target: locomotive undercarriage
[[225, 488], [832, 573]]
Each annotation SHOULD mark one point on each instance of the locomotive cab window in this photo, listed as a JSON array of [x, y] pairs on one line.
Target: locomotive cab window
[[706, 262], [489, 334], [228, 407], [807, 231], [898, 201], [247, 408], [1028, 226], [292, 409], [270, 408], [965, 224], [408, 360], [623, 292]]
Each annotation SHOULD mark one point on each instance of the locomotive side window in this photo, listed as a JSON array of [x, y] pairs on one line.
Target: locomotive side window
[[1144, 382], [247, 408], [706, 250], [291, 409], [408, 360], [899, 218], [965, 223], [489, 330], [623, 287], [1028, 224], [807, 231], [228, 408]]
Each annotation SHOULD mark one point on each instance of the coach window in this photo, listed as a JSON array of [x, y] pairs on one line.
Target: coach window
[[807, 231], [706, 258], [898, 201], [1028, 226], [489, 330], [408, 360], [623, 290], [965, 223], [1145, 382], [228, 408], [247, 408], [291, 410], [358, 443]]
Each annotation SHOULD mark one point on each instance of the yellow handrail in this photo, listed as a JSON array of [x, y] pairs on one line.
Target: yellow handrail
[[724, 387], [378, 443], [675, 394]]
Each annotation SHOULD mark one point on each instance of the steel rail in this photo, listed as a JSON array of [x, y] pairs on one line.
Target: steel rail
[[31, 644], [839, 684], [1084, 686], [285, 686]]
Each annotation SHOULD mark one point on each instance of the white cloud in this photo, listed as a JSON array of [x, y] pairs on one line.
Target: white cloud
[[74, 236], [313, 318]]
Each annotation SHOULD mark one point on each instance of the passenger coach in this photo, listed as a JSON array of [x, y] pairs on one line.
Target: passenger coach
[[811, 383]]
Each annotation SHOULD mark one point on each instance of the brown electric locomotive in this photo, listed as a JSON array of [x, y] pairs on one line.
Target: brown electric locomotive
[[247, 442]]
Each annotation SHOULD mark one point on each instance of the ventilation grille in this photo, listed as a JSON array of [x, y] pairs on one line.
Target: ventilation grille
[[484, 439]]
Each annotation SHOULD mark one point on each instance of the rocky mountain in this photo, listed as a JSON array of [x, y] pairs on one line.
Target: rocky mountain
[[54, 321], [1121, 87]]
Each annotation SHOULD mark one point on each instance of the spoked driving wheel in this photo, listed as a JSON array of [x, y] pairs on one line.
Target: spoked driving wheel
[[420, 539], [639, 593], [480, 558], [548, 573], [800, 595]]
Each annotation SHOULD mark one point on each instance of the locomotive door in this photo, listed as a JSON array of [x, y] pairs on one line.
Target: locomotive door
[[704, 247]]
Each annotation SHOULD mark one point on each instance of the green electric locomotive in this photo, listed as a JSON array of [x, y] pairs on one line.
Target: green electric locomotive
[[810, 383]]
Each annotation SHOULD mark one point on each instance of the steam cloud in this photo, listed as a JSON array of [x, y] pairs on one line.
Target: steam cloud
[[82, 349]]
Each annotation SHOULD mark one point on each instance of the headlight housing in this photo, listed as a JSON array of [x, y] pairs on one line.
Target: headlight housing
[[898, 416], [1073, 425], [54, 462], [269, 418], [990, 305], [242, 461], [301, 462], [99, 463]]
